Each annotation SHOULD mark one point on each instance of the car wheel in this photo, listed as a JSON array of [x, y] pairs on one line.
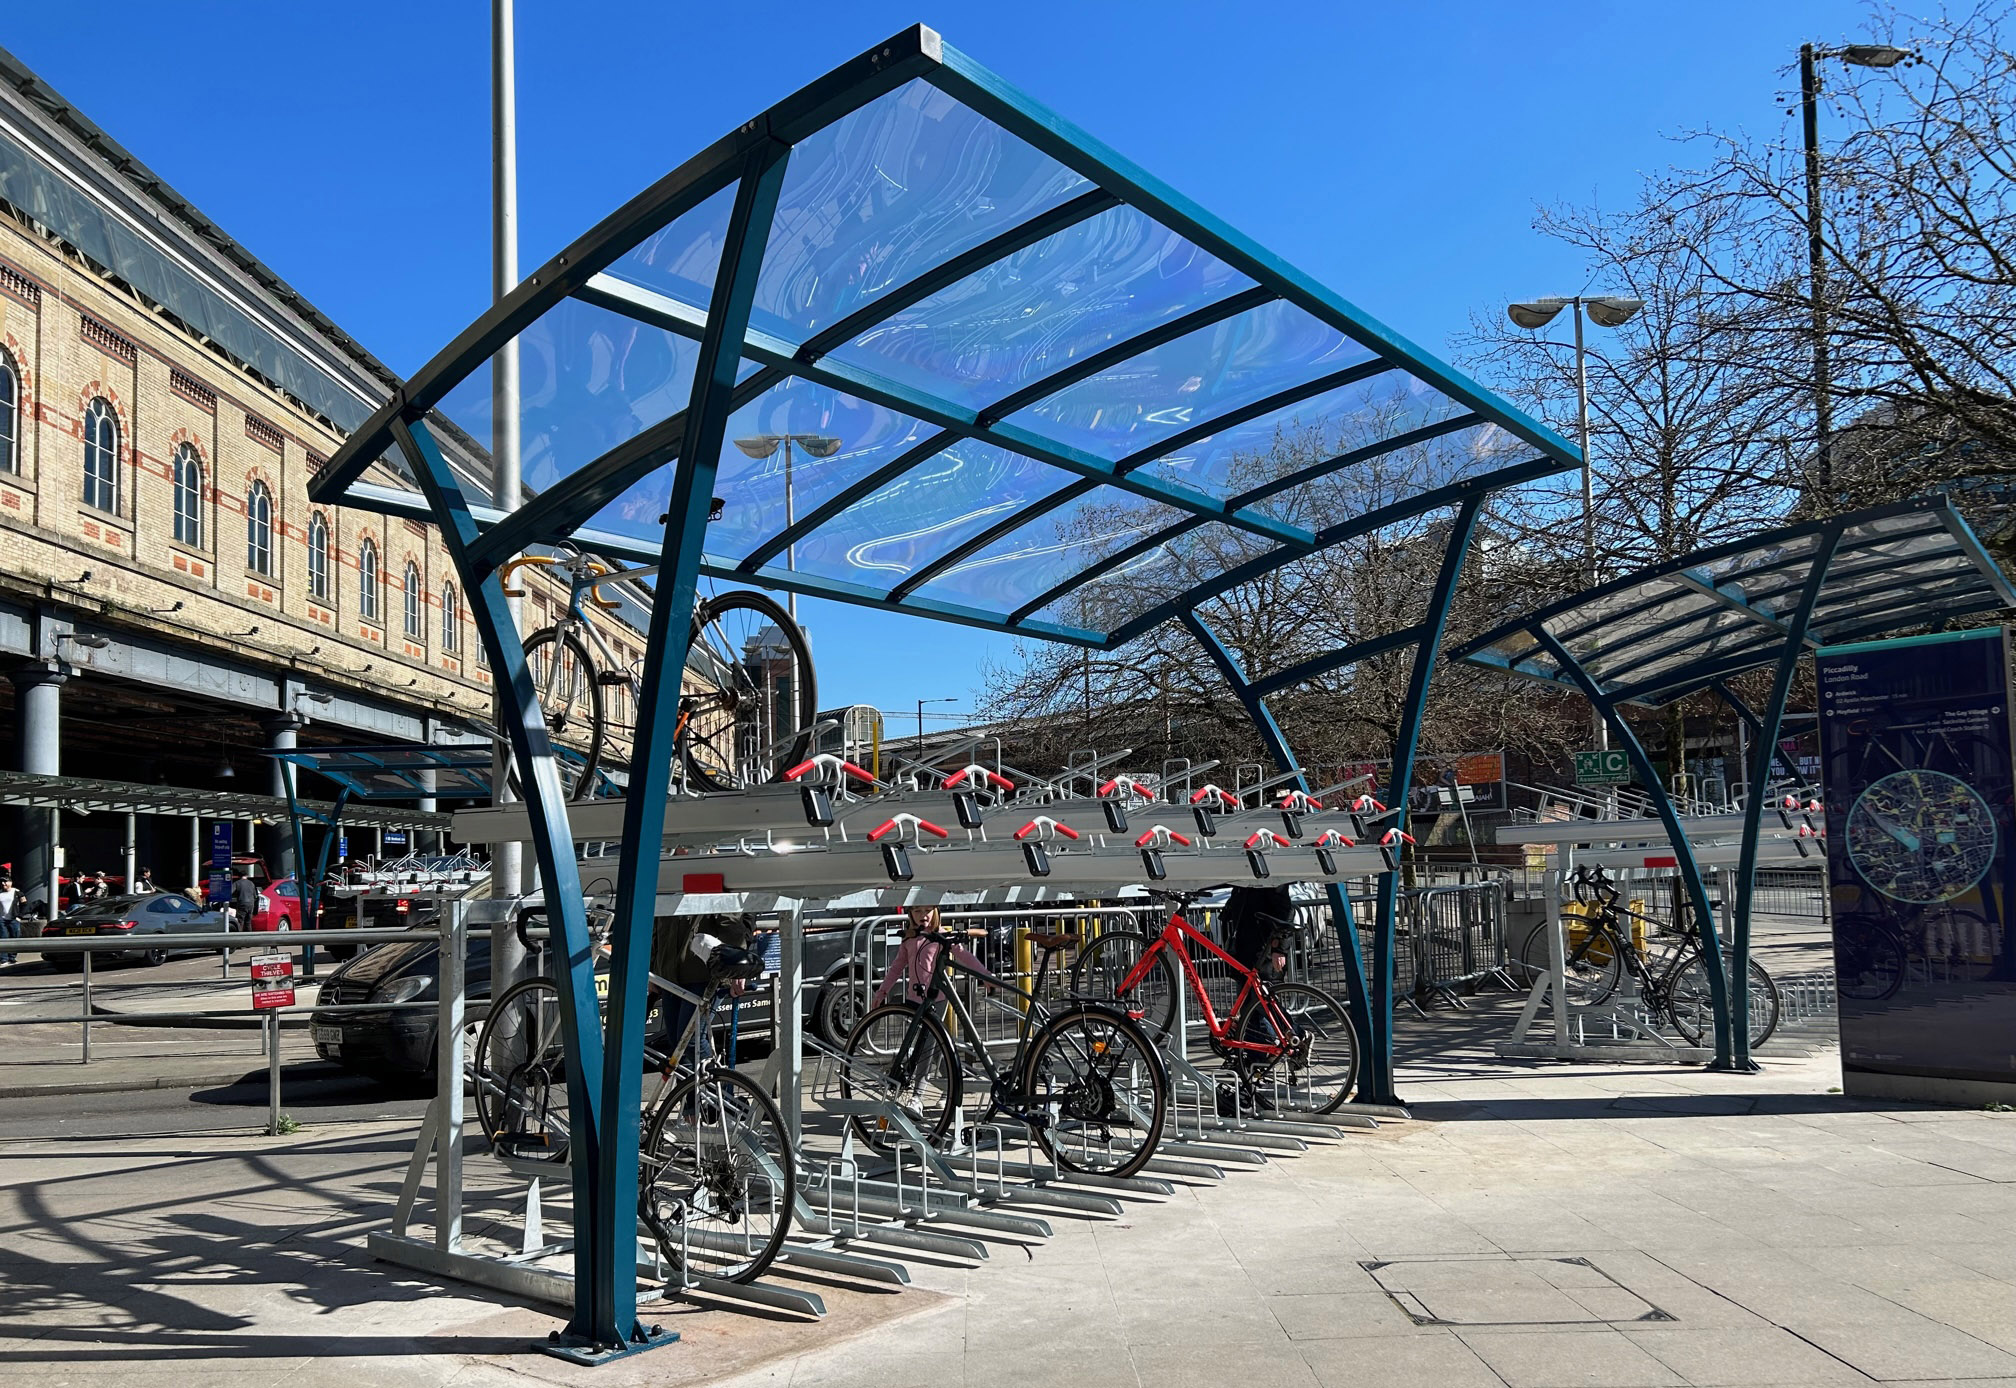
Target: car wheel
[[156, 957]]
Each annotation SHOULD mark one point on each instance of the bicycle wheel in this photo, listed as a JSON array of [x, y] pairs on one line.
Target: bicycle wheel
[[1104, 966], [1869, 963], [1691, 1006], [716, 1178], [1321, 1058], [1095, 1072], [521, 1074], [917, 1071], [1591, 969], [563, 676], [751, 719]]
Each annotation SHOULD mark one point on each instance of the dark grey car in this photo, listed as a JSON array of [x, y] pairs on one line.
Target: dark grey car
[[149, 920]]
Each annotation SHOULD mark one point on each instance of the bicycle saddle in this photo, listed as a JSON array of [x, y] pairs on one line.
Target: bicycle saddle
[[729, 962], [1048, 942]]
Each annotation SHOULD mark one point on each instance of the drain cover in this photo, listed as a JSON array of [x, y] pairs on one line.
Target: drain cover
[[1509, 1291]]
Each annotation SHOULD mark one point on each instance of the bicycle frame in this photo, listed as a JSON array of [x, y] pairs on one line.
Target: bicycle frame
[[936, 991], [1174, 938]]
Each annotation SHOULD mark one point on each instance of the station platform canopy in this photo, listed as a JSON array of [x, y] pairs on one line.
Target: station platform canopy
[[993, 374], [1664, 632], [405, 771], [81, 795]]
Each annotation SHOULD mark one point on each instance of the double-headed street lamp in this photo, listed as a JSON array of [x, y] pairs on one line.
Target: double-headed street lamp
[[1607, 311], [761, 446], [1872, 55]]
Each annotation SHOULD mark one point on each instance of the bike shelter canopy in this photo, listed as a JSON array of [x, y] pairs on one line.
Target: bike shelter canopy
[[1693, 623], [935, 351]]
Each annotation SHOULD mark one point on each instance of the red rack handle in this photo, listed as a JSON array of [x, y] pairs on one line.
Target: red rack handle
[[1260, 836], [1393, 836], [1366, 802], [1042, 822], [1300, 802], [1158, 833], [960, 777], [847, 766], [886, 825], [1330, 836]]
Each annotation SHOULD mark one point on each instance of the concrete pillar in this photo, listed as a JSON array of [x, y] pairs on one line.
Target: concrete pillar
[[195, 879], [281, 736], [132, 850], [38, 709]]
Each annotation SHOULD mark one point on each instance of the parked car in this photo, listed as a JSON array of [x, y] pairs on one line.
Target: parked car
[[150, 921], [392, 1045], [279, 906]]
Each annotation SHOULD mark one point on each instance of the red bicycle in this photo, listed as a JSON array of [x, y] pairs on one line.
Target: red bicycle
[[1289, 1044]]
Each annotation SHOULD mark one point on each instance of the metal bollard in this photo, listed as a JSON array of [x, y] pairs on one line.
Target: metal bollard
[[85, 1025], [273, 1073]]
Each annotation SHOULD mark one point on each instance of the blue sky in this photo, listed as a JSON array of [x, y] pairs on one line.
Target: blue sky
[[1396, 152]]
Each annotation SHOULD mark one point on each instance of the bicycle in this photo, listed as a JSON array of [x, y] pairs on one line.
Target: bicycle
[[717, 1175], [1674, 986], [748, 713], [1267, 1025], [1085, 1080]]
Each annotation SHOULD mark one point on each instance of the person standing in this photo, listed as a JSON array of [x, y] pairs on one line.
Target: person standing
[[10, 914], [244, 899], [145, 886]]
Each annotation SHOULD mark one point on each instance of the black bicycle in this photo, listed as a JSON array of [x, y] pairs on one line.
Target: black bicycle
[[717, 1177], [1674, 983], [1084, 1079]]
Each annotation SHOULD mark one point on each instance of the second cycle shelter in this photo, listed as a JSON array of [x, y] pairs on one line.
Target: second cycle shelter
[[1051, 398], [1698, 622]]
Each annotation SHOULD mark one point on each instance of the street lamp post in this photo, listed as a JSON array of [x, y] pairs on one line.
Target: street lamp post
[[1607, 311], [1872, 55], [920, 721], [761, 446]]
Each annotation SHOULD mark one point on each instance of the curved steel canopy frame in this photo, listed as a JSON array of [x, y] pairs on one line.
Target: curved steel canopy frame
[[1769, 599], [1461, 442]]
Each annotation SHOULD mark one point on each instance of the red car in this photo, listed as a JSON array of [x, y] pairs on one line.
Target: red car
[[279, 906]]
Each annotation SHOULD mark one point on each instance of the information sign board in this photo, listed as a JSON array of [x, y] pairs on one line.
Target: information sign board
[[272, 981]]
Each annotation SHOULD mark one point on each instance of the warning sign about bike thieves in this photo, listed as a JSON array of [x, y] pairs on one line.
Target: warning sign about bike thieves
[[272, 982], [1919, 763]]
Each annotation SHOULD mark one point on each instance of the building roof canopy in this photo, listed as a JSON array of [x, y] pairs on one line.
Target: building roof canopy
[[1005, 377]]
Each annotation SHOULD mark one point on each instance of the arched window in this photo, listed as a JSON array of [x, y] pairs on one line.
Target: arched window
[[451, 620], [368, 577], [188, 497], [414, 627], [10, 414], [259, 530], [318, 557], [101, 456]]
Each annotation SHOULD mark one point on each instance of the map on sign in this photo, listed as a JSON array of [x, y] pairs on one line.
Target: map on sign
[[1611, 768], [1921, 836]]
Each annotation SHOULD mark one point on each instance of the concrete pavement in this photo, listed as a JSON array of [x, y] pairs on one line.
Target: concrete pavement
[[1534, 1225]]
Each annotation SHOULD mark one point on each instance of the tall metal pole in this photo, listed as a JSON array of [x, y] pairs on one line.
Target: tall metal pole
[[790, 515], [507, 863], [1598, 722], [1816, 253]]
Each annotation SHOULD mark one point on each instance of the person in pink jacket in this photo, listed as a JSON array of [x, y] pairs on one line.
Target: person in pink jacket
[[918, 955]]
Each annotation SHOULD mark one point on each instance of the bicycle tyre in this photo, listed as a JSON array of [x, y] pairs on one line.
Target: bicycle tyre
[[713, 1159], [515, 1095], [1102, 966], [1054, 1052], [598, 726], [1591, 970], [1334, 1021], [805, 697], [1689, 1006], [872, 1045]]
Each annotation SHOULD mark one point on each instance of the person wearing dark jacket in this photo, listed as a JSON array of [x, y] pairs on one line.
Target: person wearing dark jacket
[[244, 899], [682, 951]]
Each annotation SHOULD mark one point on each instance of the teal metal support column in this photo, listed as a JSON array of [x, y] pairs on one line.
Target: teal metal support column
[[1376, 1075], [1753, 804], [616, 1188], [1683, 851], [566, 914], [1341, 918]]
